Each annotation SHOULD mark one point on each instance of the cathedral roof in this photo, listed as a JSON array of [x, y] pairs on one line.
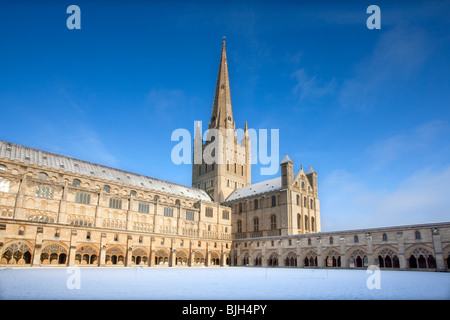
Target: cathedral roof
[[21, 153], [254, 189]]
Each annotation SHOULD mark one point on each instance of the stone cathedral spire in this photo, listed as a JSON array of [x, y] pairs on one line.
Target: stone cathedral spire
[[222, 113], [231, 165]]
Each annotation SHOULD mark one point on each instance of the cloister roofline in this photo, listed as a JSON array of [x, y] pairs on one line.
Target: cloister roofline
[[351, 232], [52, 161]]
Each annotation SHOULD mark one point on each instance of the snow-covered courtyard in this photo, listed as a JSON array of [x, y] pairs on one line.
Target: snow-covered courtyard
[[234, 283]]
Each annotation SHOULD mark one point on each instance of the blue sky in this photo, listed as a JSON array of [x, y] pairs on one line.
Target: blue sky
[[368, 109]]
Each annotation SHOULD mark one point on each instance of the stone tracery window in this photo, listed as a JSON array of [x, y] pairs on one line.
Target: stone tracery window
[[86, 254], [114, 255], [16, 253], [54, 253], [422, 258]]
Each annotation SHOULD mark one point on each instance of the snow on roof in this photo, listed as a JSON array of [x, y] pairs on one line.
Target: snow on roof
[[286, 159], [20, 153], [311, 170], [254, 189]]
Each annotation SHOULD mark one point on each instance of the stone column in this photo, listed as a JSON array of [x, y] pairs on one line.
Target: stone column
[[281, 262], [37, 255], [342, 252], [129, 252], [251, 259], [370, 258], [319, 252], [264, 253], [72, 253], [300, 261], [191, 254], [401, 251], [151, 262], [437, 245]]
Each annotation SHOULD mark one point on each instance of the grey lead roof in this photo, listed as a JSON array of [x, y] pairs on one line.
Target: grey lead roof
[[254, 189], [55, 161], [257, 188]]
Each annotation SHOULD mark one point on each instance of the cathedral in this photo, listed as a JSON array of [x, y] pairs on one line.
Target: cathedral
[[60, 211]]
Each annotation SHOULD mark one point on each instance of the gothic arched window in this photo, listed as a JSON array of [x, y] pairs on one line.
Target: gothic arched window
[[256, 224], [417, 235]]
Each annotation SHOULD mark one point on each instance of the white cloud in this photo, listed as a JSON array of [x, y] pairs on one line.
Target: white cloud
[[349, 202], [398, 55], [309, 88], [420, 139]]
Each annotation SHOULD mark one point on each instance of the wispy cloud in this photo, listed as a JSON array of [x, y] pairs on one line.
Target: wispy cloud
[[310, 88], [418, 140], [169, 102], [398, 55], [349, 202]]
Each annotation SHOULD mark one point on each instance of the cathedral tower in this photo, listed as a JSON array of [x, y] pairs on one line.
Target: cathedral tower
[[225, 164]]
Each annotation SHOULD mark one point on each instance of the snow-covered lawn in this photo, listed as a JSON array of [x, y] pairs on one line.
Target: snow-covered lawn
[[234, 283]]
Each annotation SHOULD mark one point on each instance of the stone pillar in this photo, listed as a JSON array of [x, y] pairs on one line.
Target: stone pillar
[[370, 258], [102, 250], [191, 254], [300, 261], [151, 262], [72, 253], [103, 256], [151, 258], [207, 255], [437, 245], [172, 257], [319, 252], [37, 255], [251, 259], [401, 251], [264, 253], [222, 256], [281, 261], [344, 262], [129, 252]]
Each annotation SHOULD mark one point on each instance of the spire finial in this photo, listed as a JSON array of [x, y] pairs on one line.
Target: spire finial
[[223, 42]]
